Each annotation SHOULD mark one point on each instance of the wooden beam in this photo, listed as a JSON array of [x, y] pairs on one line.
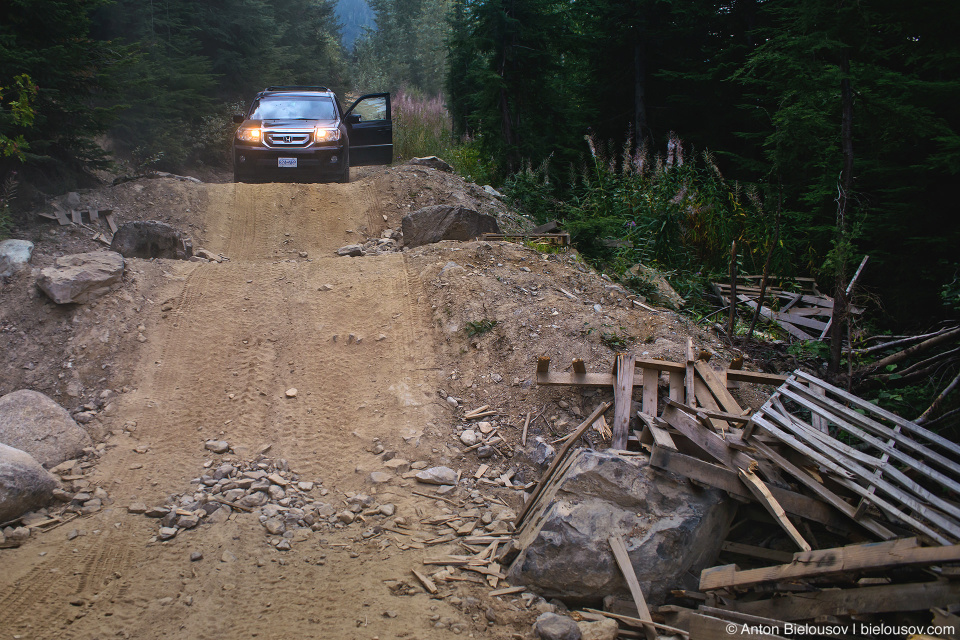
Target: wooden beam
[[830, 497], [578, 367], [721, 478], [755, 377], [543, 365], [623, 561], [710, 442], [580, 430], [583, 380], [622, 397], [727, 402], [873, 556], [691, 399], [861, 600], [764, 497], [651, 379], [703, 627], [676, 386]]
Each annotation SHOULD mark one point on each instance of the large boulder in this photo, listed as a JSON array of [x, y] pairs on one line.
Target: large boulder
[[433, 162], [151, 239], [81, 277], [32, 422], [14, 254], [445, 222], [672, 529], [24, 484]]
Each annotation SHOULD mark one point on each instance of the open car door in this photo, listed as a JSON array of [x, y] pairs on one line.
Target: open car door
[[370, 130]]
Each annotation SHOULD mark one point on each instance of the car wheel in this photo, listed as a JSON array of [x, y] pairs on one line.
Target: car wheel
[[345, 171], [236, 176]]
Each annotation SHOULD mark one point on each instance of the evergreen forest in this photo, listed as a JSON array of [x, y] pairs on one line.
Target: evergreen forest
[[792, 137]]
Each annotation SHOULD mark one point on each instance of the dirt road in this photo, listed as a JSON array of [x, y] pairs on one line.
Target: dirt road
[[224, 342]]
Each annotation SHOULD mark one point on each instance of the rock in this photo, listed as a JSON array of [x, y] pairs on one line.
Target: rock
[[431, 161], [452, 402], [254, 500], [388, 509], [24, 484], [188, 522], [469, 437], [485, 452], [196, 556], [81, 277], [550, 626], [208, 255], [305, 486], [292, 392], [14, 255], [651, 279], [543, 453], [379, 477], [220, 515], [166, 533], [671, 529], [18, 534], [437, 475], [485, 427], [493, 192], [605, 629], [274, 527], [346, 517], [151, 239], [228, 556], [283, 545], [353, 250], [217, 446], [398, 465], [32, 422], [445, 222]]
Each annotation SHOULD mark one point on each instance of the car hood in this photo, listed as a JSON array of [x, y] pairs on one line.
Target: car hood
[[296, 124]]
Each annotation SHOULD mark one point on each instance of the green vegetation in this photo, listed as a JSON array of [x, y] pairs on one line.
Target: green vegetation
[[480, 327]]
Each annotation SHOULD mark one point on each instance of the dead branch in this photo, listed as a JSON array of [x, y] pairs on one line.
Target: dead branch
[[906, 353], [896, 343], [921, 368], [944, 417], [935, 406]]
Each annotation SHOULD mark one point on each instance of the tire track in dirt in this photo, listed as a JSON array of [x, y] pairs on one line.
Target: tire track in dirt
[[234, 336]]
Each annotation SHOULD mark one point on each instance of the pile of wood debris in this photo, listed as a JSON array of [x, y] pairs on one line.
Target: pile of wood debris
[[849, 520]]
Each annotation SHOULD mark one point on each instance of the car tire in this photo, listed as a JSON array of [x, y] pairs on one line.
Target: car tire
[[237, 177], [345, 171]]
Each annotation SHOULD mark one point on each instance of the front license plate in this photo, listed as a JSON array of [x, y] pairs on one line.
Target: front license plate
[[287, 162]]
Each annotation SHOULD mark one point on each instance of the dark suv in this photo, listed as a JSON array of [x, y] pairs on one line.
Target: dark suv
[[302, 133]]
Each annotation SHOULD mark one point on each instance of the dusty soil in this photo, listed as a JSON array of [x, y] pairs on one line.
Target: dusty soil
[[189, 351]]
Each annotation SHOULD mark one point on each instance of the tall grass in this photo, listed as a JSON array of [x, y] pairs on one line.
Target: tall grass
[[422, 127]]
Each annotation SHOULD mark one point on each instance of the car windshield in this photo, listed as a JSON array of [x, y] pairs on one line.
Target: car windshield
[[301, 108]]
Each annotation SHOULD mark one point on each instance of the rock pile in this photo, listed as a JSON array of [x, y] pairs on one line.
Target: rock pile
[[388, 242], [287, 506]]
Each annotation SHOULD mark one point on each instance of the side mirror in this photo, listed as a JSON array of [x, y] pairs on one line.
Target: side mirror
[[238, 119], [353, 118]]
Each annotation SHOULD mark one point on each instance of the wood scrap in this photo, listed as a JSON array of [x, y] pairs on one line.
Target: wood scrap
[[622, 394], [623, 561], [427, 583]]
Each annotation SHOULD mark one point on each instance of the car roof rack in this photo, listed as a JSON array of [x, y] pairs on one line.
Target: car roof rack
[[296, 87]]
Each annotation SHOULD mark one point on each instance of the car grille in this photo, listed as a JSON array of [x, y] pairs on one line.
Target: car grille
[[287, 139]]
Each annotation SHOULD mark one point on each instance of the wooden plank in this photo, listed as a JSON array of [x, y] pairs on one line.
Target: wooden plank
[[578, 366], [845, 417], [844, 474], [755, 377], [94, 216], [706, 400], [651, 379], [526, 425], [482, 469], [771, 316], [882, 413], [824, 493], [721, 415], [717, 387], [691, 396], [862, 600], [800, 320], [580, 430], [427, 583], [873, 556], [845, 457], [722, 478], [761, 553], [111, 222], [75, 216], [623, 561], [676, 386], [662, 437], [622, 397], [583, 380], [506, 591], [765, 498], [710, 442]]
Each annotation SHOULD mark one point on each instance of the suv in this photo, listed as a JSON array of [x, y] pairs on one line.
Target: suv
[[303, 133]]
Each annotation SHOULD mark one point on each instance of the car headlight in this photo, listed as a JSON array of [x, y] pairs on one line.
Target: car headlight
[[248, 135], [326, 135]]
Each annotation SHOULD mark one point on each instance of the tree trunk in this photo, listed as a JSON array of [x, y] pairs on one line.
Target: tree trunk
[[639, 90], [846, 185]]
